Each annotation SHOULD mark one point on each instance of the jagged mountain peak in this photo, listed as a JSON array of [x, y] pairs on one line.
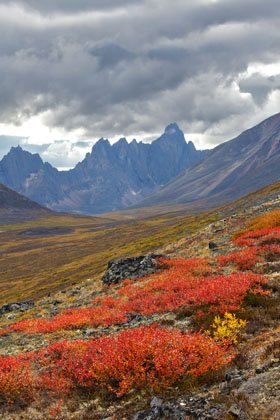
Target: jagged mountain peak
[[172, 135], [107, 178], [101, 143], [17, 148], [101, 147], [191, 145], [172, 128], [122, 142], [19, 151], [17, 155]]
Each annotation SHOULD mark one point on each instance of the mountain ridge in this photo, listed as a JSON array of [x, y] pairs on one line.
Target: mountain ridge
[[110, 177], [15, 207], [230, 170]]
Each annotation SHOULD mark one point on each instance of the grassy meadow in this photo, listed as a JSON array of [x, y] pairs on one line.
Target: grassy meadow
[[33, 266]]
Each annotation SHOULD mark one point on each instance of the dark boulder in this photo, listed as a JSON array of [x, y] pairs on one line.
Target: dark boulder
[[17, 306], [131, 268], [213, 246]]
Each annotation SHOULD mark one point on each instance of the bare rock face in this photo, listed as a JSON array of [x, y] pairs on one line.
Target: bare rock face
[[131, 268]]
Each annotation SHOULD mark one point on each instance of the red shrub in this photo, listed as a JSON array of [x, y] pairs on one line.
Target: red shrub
[[71, 319], [245, 259], [214, 293], [15, 379], [147, 357], [253, 238], [184, 266], [169, 290]]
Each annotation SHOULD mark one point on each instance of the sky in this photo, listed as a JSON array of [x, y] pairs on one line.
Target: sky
[[74, 71]]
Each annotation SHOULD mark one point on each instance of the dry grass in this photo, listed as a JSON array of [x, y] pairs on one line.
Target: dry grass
[[31, 267], [265, 221]]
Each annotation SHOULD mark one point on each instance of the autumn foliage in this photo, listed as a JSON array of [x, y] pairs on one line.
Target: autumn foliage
[[227, 328], [182, 283], [147, 357], [270, 220]]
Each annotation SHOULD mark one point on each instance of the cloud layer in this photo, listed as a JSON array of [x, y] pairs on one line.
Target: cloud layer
[[123, 67]]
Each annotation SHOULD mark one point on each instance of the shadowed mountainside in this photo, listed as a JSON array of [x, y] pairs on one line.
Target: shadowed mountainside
[[235, 168], [16, 208]]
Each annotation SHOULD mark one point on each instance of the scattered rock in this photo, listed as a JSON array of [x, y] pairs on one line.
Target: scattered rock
[[198, 408], [262, 394], [54, 311], [55, 302], [213, 246], [17, 306], [89, 331], [259, 370], [132, 319], [235, 411], [156, 402], [130, 268]]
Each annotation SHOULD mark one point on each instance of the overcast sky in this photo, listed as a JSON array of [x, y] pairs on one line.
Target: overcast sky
[[74, 71]]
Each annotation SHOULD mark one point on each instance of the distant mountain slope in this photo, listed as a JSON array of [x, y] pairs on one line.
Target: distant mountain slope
[[232, 169], [111, 177], [16, 208]]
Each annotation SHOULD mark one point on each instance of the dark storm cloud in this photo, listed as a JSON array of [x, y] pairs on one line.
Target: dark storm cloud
[[53, 6], [260, 86], [130, 67], [110, 55]]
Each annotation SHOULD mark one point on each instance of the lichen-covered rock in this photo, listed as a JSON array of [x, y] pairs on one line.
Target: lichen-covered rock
[[130, 268], [17, 306], [196, 408]]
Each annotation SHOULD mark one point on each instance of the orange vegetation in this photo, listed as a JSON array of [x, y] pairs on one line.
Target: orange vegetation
[[147, 357]]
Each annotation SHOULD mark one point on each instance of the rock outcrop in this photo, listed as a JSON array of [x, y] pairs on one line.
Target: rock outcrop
[[131, 268], [17, 306]]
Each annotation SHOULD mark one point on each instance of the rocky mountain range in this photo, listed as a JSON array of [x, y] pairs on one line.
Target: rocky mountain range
[[230, 170], [110, 177], [166, 171]]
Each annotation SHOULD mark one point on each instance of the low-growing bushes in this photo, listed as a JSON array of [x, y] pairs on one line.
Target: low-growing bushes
[[261, 245], [269, 220], [153, 357], [245, 259], [168, 291], [227, 328], [15, 379], [257, 236], [144, 358], [71, 319], [212, 293]]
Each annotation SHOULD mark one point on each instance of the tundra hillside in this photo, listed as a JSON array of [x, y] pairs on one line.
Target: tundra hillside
[[197, 337]]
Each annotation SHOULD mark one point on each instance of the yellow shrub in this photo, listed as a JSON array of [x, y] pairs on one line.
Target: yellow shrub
[[227, 328]]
